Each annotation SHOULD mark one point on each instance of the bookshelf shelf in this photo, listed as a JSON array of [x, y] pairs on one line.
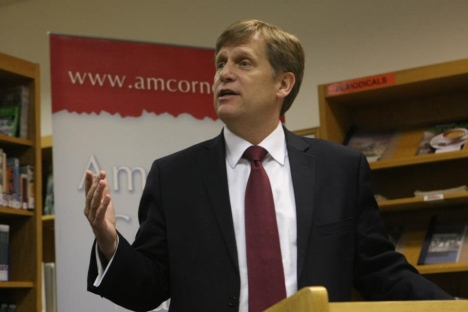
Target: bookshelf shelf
[[7, 211], [412, 100], [6, 140], [24, 288], [442, 268], [418, 203], [48, 219], [416, 160], [17, 284]]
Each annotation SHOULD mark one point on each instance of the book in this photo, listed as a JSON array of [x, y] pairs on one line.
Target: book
[[17, 96], [444, 242], [3, 199], [27, 186], [13, 166], [49, 195], [50, 287], [9, 120], [372, 143], [2, 172], [4, 252], [442, 138]]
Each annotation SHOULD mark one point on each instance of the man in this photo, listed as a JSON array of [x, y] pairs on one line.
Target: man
[[192, 244]]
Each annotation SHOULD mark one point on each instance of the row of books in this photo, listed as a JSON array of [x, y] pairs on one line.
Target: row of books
[[377, 144], [14, 108], [49, 281], [16, 183], [444, 242]]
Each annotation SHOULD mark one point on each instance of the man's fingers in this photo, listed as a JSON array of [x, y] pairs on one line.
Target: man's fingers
[[93, 193], [96, 198], [101, 211], [88, 181], [89, 195]]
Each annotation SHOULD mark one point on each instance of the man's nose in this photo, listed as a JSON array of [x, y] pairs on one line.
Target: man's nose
[[227, 73]]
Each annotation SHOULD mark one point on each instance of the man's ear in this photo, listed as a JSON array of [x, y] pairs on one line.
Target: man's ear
[[286, 81]]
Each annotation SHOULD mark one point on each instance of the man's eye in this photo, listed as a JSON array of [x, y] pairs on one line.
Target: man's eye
[[220, 65], [244, 63]]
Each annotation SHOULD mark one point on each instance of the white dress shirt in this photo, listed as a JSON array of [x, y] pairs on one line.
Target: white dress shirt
[[276, 164]]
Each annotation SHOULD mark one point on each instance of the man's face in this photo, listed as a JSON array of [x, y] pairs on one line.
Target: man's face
[[245, 90]]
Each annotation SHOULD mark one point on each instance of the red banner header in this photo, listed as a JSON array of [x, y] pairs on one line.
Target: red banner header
[[360, 84], [92, 75]]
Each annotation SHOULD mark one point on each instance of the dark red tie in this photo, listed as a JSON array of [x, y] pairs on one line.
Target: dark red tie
[[264, 264]]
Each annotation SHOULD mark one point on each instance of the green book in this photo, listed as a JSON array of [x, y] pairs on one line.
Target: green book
[[9, 120]]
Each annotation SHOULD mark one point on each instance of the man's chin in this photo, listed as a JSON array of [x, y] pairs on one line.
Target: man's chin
[[226, 112]]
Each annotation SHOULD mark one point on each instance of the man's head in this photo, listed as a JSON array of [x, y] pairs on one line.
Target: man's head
[[284, 51]]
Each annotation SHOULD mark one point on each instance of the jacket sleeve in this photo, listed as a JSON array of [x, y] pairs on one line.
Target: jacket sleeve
[[138, 277]]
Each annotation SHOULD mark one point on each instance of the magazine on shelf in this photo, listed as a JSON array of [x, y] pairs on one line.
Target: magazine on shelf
[[373, 143], [445, 242], [441, 138]]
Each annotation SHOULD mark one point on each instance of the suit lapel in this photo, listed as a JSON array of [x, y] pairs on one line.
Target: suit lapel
[[213, 164], [303, 176], [213, 167]]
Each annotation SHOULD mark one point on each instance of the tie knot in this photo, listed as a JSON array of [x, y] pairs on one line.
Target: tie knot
[[255, 153]]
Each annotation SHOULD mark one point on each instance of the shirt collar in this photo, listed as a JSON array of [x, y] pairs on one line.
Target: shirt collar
[[275, 144]]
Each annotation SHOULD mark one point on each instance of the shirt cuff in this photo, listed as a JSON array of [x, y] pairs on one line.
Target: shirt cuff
[[101, 270]]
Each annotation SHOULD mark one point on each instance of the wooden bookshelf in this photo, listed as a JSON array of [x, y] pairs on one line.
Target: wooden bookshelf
[[25, 284], [411, 101]]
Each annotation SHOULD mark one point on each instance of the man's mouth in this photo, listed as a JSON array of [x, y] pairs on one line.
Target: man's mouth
[[226, 92]]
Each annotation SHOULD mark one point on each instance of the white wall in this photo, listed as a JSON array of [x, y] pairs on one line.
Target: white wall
[[342, 38]]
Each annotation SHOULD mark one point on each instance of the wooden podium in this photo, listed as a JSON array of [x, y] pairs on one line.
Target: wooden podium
[[315, 299]]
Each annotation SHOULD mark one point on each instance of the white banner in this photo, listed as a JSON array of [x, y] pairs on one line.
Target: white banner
[[117, 106]]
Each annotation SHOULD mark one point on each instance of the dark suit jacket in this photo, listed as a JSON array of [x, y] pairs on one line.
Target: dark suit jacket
[[185, 248]]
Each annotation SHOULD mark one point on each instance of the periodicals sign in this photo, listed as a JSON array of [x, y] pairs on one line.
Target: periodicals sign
[[361, 84]]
